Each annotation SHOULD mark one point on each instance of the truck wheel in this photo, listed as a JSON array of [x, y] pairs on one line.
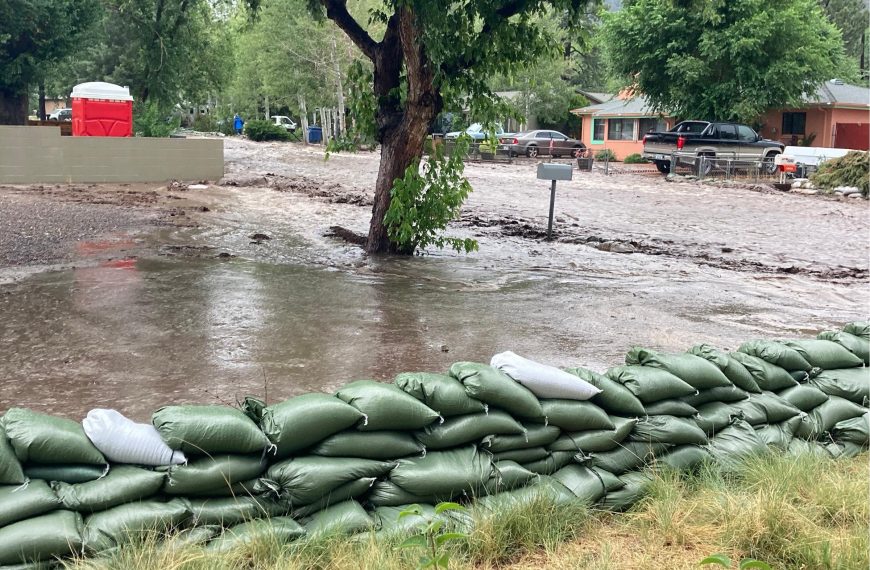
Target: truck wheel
[[532, 151], [768, 166], [663, 166]]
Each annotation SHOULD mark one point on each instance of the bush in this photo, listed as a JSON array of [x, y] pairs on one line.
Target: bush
[[605, 154], [635, 159], [850, 170], [205, 124], [153, 120], [262, 130]]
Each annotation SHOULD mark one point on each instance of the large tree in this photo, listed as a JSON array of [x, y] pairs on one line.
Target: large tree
[[853, 19], [722, 59], [34, 35], [434, 53]]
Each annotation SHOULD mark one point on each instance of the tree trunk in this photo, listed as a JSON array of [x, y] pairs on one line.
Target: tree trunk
[[13, 108], [339, 87], [303, 118], [41, 109]]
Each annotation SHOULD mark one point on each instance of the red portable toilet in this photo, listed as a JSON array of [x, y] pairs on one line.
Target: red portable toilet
[[101, 110]]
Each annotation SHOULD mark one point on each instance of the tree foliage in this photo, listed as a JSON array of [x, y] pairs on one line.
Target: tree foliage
[[853, 19], [722, 59]]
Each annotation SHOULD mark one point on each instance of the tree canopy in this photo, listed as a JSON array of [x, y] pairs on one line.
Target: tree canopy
[[722, 59]]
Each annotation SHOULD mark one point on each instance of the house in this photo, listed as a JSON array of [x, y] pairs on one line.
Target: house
[[619, 123]]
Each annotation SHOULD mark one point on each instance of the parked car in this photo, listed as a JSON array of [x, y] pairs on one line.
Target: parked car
[[690, 140], [477, 132], [285, 122], [542, 142], [60, 115]]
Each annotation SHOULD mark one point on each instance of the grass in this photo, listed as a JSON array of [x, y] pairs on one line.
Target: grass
[[793, 513]]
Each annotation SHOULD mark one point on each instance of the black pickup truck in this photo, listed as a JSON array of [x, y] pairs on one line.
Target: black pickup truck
[[688, 141]]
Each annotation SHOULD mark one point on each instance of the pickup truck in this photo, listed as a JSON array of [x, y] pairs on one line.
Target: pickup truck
[[690, 140]]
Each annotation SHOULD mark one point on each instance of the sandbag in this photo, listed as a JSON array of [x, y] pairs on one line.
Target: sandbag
[[232, 510], [544, 487], [668, 429], [603, 440], [614, 397], [496, 388], [726, 395], [554, 461], [300, 422], [369, 445], [854, 344], [40, 438], [535, 435], [46, 537], [444, 394], [542, 380], [443, 472], [253, 408], [627, 457], [200, 430], [636, 485], [736, 373], [684, 458], [693, 370], [386, 406], [776, 409], [211, 474], [122, 440], [351, 490], [531, 454], [120, 524], [671, 408], [303, 480], [715, 416], [858, 328], [824, 354], [650, 384], [749, 411], [852, 384], [778, 435], [195, 536], [10, 468], [823, 418], [248, 488], [389, 521], [574, 415], [775, 353], [582, 481], [460, 430], [123, 484], [798, 447], [344, 518], [768, 376], [854, 430], [734, 443], [19, 502], [388, 494], [507, 475], [71, 474], [275, 530], [804, 397]]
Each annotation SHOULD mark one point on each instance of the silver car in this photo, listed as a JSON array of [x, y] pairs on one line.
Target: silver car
[[542, 142]]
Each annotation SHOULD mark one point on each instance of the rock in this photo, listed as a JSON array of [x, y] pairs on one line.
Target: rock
[[622, 248], [847, 190], [259, 237], [445, 348], [858, 195], [605, 245], [805, 190], [727, 249]]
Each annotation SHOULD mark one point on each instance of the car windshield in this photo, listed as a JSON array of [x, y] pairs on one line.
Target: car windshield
[[690, 127]]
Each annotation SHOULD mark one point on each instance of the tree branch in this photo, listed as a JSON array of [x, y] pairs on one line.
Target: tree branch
[[336, 10]]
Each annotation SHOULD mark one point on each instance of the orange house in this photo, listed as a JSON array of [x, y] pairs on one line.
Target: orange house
[[619, 125]]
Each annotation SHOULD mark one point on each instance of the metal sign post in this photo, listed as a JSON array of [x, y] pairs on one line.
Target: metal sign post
[[553, 172]]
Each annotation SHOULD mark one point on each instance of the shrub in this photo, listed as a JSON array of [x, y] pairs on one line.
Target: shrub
[[262, 130], [850, 170], [605, 154], [635, 159], [153, 120], [205, 124]]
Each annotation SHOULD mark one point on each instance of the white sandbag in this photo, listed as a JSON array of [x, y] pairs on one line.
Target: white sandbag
[[122, 440], [543, 381]]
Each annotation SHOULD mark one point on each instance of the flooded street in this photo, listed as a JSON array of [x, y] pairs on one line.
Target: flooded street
[[156, 312]]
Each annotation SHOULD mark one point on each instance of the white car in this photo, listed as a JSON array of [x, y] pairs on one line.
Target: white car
[[476, 132], [61, 115], [285, 122]]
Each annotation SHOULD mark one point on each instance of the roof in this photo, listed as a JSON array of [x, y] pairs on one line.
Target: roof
[[835, 92], [634, 107], [597, 97]]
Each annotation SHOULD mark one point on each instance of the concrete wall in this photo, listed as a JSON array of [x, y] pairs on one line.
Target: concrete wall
[[41, 155]]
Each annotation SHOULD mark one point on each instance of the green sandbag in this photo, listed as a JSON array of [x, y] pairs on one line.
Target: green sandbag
[[734, 443], [123, 484], [390, 522], [823, 418], [768, 376], [118, 525], [603, 440], [246, 488], [671, 408], [460, 430], [196, 536], [582, 481], [824, 354], [684, 458], [495, 388], [749, 411], [691, 369], [54, 535], [528, 455], [575, 415], [347, 491], [507, 475], [443, 472], [544, 487], [208, 430], [731, 368], [71, 474], [852, 384], [39, 438], [536, 435], [636, 485], [19, 502], [614, 397], [550, 464], [444, 394], [300, 422], [854, 344], [388, 494], [344, 518], [564, 443], [386, 406], [369, 445], [230, 511], [798, 447], [211, 474], [650, 384], [854, 430], [610, 481], [10, 468], [627, 457], [304, 480], [778, 435], [776, 409], [715, 416], [804, 397], [668, 429], [253, 408], [858, 328], [726, 395], [775, 353], [849, 449], [275, 530]]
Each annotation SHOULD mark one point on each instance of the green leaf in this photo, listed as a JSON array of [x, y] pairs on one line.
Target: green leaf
[[412, 510], [719, 559], [448, 506], [448, 536], [443, 560], [751, 563], [434, 526], [416, 541]]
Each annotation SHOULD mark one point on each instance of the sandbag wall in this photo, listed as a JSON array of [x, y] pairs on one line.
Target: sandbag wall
[[350, 462]]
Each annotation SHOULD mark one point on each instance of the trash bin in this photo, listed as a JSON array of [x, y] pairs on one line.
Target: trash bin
[[101, 110], [315, 134]]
